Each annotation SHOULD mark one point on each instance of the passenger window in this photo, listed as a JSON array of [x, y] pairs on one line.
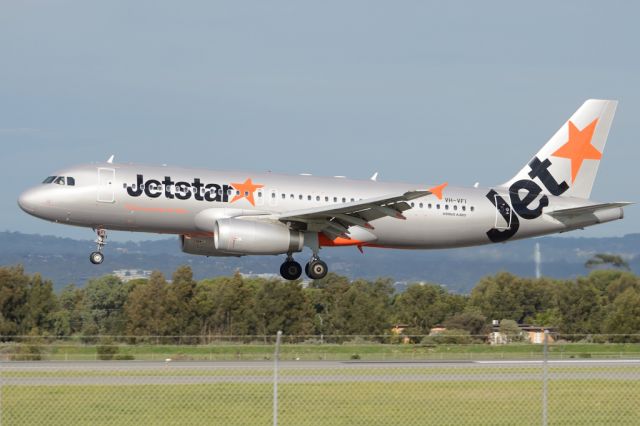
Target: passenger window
[[446, 206], [471, 208], [335, 199], [309, 197], [464, 208], [300, 197], [421, 205], [438, 206], [292, 196], [352, 200], [455, 207], [429, 205], [413, 204], [284, 195], [344, 200], [259, 194], [317, 198], [273, 194], [326, 199]]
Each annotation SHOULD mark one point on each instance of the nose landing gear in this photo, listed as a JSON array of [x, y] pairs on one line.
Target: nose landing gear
[[97, 257]]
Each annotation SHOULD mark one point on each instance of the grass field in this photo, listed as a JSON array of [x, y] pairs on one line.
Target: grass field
[[404, 395], [424, 403]]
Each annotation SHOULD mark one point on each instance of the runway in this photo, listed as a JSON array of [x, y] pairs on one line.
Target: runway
[[117, 373]]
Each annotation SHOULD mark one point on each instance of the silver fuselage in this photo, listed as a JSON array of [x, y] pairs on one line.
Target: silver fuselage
[[103, 196]]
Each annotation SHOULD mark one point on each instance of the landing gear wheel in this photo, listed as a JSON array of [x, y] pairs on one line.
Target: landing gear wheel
[[316, 269], [96, 257], [290, 270]]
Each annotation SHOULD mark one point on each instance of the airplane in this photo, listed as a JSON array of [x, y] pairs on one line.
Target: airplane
[[234, 213]]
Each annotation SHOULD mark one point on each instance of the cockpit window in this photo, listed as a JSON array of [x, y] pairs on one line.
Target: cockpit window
[[60, 180]]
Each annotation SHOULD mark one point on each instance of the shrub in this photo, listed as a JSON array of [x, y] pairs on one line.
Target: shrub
[[28, 352], [124, 357], [107, 350], [448, 337]]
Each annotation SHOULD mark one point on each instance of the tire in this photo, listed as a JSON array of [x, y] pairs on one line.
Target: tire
[[317, 270], [96, 257], [290, 270]]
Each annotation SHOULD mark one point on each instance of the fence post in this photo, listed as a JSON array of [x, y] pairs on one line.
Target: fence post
[[276, 357], [545, 378]]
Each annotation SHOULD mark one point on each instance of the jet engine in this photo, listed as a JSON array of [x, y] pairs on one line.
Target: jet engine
[[201, 246], [243, 236]]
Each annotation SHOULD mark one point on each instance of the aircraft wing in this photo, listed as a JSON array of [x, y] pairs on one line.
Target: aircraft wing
[[336, 219], [575, 211]]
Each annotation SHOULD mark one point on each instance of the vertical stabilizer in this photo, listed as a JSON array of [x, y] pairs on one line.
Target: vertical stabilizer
[[568, 163]]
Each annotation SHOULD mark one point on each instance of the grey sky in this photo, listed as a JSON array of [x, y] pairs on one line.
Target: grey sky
[[421, 92]]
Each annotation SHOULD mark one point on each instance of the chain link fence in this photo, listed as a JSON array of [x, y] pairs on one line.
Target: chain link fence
[[308, 380]]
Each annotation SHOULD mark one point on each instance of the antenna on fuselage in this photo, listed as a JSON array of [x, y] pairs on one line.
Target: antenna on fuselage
[[110, 160], [374, 177]]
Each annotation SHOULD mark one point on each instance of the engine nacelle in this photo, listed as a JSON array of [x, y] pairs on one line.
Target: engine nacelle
[[201, 246], [242, 236]]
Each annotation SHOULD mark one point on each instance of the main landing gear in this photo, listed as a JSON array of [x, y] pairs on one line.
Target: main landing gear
[[97, 257], [315, 269]]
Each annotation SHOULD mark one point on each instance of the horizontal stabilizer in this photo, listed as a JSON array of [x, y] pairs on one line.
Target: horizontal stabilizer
[[576, 211]]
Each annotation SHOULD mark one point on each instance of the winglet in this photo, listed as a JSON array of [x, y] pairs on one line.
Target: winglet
[[110, 160], [437, 190]]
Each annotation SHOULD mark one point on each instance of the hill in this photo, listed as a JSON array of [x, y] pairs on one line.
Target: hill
[[65, 260]]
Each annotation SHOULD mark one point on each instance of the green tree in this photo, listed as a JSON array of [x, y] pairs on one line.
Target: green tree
[[508, 296], [606, 259], [225, 306], [183, 310], [364, 308], [282, 305], [68, 319], [509, 328], [26, 302], [13, 298], [147, 308], [323, 296], [580, 304], [40, 305], [103, 312], [623, 316], [423, 306], [473, 322]]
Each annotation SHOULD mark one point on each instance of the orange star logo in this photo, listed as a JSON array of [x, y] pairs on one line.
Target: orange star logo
[[578, 148], [245, 190]]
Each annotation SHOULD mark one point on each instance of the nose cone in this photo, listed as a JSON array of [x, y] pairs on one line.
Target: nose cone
[[29, 200]]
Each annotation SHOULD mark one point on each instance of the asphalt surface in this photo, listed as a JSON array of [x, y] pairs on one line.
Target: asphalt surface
[[83, 373]]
